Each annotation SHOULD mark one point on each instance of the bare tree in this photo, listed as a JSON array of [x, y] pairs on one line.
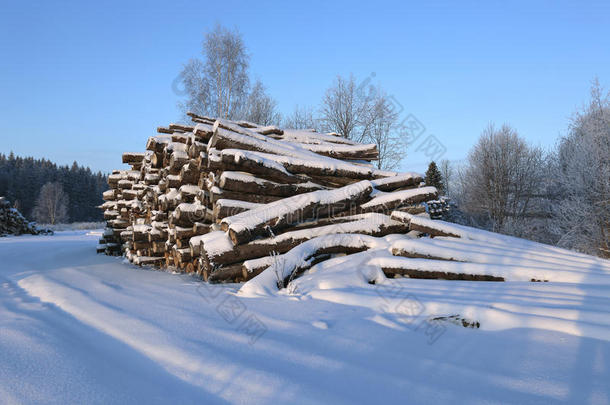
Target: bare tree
[[582, 216], [301, 118], [52, 204], [260, 107], [363, 114], [218, 85], [381, 131], [501, 180], [346, 109], [197, 89]]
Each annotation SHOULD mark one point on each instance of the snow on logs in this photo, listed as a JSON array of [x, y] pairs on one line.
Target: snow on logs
[[218, 250], [245, 182], [389, 201], [220, 197], [281, 214], [235, 202], [13, 223], [474, 255]]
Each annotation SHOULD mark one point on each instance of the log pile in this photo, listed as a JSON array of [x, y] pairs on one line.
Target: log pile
[[438, 209], [13, 223], [433, 249], [220, 197]]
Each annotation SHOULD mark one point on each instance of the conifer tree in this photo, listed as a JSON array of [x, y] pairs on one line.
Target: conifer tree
[[434, 177]]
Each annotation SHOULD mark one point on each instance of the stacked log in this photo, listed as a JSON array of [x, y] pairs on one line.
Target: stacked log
[[210, 196], [12, 222], [438, 209]]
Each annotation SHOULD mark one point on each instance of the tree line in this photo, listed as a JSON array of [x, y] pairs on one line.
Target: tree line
[[26, 181], [560, 197]]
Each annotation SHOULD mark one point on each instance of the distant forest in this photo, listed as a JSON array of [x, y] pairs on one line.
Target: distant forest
[[22, 178]]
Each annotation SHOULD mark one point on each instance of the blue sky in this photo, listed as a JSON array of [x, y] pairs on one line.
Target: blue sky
[[86, 81]]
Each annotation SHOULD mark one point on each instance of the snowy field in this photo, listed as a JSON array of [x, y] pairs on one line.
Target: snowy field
[[76, 327]]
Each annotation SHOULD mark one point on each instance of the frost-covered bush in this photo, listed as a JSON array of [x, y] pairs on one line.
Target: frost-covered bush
[[581, 218]]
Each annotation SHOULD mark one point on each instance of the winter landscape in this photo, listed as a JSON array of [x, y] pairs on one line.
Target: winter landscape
[[227, 230]]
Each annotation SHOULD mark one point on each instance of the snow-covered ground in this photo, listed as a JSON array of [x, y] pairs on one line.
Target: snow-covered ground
[[76, 327]]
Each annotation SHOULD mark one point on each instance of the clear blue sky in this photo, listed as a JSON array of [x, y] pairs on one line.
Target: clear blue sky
[[87, 80]]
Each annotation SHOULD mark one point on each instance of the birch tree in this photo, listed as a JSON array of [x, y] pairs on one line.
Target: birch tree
[[219, 85], [52, 204], [501, 179]]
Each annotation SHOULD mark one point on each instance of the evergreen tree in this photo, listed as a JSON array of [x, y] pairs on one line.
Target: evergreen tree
[[434, 177], [21, 180]]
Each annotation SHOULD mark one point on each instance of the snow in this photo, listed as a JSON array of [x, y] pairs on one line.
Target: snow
[[265, 284], [558, 307], [473, 234], [237, 155], [312, 137], [241, 177], [172, 194], [202, 127], [125, 183], [76, 327], [280, 208], [180, 149], [215, 242], [335, 148], [273, 161], [142, 228], [250, 265], [403, 177], [173, 178], [370, 222], [175, 230], [189, 189], [245, 177], [107, 205], [527, 254], [225, 202], [403, 195], [132, 174], [215, 190], [162, 138], [266, 129], [286, 152], [152, 177], [377, 173], [191, 208]]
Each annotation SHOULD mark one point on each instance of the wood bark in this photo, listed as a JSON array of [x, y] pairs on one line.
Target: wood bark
[[241, 182], [300, 208], [288, 240], [391, 201]]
